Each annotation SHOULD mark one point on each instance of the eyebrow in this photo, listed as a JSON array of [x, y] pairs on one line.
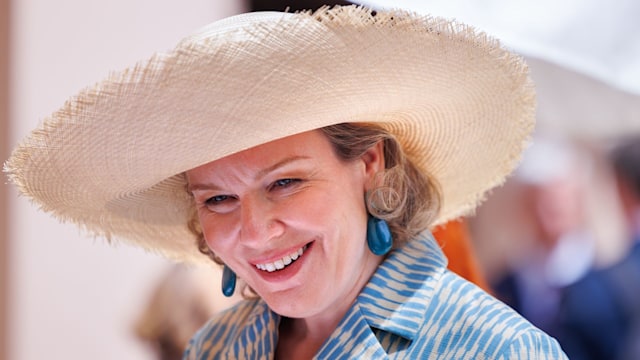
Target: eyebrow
[[260, 174]]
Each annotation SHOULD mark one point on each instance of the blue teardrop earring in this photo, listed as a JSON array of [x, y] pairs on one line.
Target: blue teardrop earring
[[228, 281], [378, 236]]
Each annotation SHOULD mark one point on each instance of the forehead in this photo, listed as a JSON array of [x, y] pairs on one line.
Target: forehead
[[311, 144]]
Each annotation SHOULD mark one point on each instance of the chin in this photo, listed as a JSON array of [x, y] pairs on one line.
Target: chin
[[292, 306]]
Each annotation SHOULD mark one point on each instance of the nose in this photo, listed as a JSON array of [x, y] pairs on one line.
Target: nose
[[259, 221]]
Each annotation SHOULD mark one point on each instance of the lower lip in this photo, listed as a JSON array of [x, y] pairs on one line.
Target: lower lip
[[289, 271]]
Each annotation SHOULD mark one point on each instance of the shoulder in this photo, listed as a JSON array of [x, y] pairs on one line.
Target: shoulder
[[594, 279], [595, 285], [484, 326], [464, 300], [602, 286]]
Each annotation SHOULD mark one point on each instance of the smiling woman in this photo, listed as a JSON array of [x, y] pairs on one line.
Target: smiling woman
[[266, 207], [315, 184]]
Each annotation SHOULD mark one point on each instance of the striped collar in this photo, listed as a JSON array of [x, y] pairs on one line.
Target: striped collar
[[397, 296]]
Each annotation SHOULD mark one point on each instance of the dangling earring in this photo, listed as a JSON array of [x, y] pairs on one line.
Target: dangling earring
[[228, 281], [378, 236]]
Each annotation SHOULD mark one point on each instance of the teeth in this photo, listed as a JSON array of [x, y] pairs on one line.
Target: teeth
[[270, 267], [279, 264], [282, 263]]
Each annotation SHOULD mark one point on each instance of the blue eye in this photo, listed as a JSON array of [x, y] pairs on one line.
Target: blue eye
[[284, 183], [221, 204], [216, 199]]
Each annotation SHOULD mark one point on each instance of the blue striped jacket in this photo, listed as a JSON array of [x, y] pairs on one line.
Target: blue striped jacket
[[412, 308]]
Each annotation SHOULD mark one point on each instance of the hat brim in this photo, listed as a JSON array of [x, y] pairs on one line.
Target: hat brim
[[111, 160]]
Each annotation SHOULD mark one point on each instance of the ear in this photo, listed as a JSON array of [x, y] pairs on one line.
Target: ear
[[373, 160]]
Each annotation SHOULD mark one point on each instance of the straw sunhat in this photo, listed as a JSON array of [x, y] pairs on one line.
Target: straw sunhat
[[111, 159]]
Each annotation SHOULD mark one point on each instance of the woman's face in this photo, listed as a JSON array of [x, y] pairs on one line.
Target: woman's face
[[289, 218]]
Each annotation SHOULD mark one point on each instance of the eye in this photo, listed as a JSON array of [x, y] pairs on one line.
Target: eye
[[284, 183], [215, 200], [220, 204]]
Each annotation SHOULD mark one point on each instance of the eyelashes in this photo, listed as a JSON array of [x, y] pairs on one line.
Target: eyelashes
[[283, 183], [224, 202], [216, 199]]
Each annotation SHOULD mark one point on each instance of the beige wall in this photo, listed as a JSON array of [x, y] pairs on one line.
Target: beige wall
[[5, 9], [70, 296]]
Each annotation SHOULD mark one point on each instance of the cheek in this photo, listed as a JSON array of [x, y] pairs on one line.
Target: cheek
[[314, 209], [339, 206], [217, 232]]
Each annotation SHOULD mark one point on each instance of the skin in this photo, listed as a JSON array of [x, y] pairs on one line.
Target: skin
[[259, 205]]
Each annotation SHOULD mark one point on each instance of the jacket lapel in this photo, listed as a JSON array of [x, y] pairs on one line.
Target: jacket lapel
[[353, 339], [398, 295], [395, 300]]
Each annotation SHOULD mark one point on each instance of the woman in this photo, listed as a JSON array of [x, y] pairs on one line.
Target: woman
[[309, 153]]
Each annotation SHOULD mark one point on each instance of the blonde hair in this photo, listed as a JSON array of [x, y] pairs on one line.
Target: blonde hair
[[405, 196]]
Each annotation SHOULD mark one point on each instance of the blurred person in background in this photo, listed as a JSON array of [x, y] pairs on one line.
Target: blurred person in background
[[183, 300], [560, 248], [601, 312]]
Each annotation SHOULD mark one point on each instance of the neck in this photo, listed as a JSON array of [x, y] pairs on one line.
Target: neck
[[302, 338]]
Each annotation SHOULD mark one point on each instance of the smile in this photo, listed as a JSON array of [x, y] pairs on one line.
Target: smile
[[282, 263]]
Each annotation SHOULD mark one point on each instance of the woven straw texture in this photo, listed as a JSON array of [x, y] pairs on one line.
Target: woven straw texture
[[111, 159]]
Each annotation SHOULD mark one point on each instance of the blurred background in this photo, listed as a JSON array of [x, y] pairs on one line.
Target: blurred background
[[65, 295]]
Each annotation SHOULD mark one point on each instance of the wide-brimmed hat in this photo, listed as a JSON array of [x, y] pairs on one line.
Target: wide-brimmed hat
[[112, 158]]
